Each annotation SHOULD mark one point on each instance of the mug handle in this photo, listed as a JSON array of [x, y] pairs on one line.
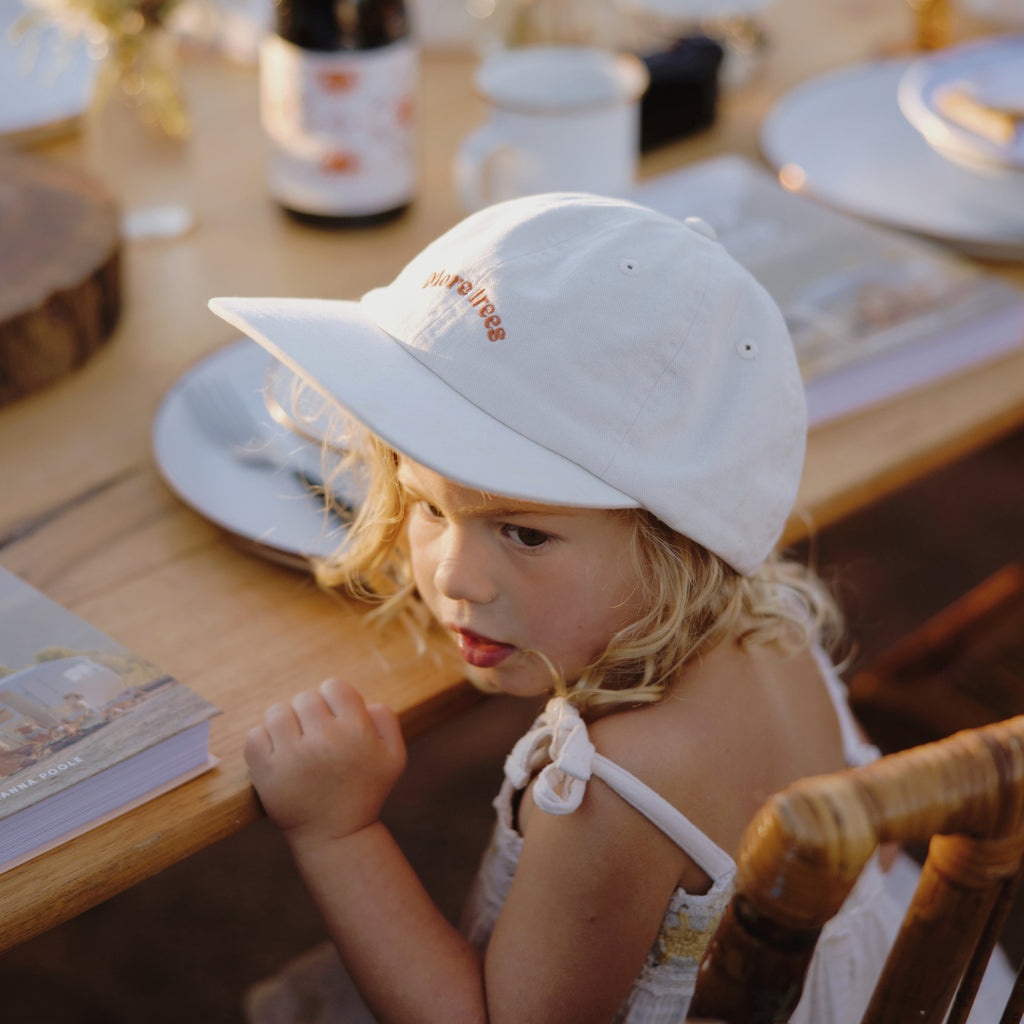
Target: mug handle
[[474, 161]]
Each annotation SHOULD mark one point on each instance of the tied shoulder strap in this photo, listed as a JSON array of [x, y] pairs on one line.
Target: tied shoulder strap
[[560, 736]]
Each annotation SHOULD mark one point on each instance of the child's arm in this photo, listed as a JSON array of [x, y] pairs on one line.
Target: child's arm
[[323, 767], [589, 894]]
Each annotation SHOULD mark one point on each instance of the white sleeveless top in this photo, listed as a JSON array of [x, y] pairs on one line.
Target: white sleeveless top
[[850, 951]]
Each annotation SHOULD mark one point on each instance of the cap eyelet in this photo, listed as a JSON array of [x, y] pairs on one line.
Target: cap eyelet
[[747, 349], [628, 266]]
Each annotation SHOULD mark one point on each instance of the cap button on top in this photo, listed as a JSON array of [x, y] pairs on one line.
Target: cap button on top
[[702, 227]]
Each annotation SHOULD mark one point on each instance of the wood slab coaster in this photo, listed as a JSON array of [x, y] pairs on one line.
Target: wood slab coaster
[[60, 287]]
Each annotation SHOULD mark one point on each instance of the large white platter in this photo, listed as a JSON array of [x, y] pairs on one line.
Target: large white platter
[[842, 138]]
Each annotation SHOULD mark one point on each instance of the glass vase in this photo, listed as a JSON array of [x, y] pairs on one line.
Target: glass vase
[[137, 134]]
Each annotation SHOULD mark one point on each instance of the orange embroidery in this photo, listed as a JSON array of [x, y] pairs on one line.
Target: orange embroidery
[[479, 300]]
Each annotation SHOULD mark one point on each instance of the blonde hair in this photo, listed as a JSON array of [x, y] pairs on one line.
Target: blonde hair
[[692, 598]]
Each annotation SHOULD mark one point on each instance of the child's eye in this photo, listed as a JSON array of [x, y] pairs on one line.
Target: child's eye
[[526, 536], [429, 510]]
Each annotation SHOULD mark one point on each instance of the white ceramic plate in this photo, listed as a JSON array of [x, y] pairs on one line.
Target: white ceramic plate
[[842, 138], [271, 507], [45, 81], [990, 70]]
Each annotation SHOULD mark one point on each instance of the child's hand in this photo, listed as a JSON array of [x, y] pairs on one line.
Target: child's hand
[[324, 764]]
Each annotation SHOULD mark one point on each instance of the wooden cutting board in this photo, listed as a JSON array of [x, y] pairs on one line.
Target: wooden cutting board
[[60, 289]]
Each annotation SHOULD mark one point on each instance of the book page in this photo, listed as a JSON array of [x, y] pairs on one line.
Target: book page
[[850, 291], [74, 702]]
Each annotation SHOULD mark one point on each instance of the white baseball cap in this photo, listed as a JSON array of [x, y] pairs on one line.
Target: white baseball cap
[[574, 350]]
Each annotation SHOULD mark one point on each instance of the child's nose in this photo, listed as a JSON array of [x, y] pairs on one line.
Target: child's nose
[[463, 570]]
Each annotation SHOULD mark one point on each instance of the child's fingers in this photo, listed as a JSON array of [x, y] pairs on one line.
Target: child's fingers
[[282, 725], [342, 698], [385, 721], [258, 745], [311, 710]]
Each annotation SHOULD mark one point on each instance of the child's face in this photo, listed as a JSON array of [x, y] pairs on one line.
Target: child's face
[[505, 577]]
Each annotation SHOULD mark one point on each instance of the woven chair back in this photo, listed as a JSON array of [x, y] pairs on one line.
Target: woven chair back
[[803, 853]]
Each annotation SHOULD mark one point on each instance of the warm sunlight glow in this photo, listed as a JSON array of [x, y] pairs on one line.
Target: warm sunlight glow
[[792, 177]]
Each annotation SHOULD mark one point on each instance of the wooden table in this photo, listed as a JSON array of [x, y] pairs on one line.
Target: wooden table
[[85, 517]]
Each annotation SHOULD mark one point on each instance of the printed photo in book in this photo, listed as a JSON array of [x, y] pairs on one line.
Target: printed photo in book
[[88, 728], [873, 312]]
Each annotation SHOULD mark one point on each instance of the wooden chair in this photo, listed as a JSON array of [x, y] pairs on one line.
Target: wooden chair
[[962, 668], [805, 849]]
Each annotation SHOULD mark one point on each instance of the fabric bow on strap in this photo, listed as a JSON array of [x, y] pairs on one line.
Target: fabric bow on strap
[[558, 735]]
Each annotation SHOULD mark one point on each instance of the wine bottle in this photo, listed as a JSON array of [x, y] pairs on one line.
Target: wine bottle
[[337, 98]]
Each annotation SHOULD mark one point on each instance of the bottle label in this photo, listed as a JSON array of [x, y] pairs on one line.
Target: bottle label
[[340, 126]]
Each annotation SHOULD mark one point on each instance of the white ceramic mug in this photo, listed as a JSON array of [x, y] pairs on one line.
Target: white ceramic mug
[[562, 119]]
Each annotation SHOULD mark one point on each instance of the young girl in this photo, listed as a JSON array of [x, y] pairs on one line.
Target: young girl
[[582, 428]]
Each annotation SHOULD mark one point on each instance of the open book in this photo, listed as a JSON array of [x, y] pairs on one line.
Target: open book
[[873, 312], [87, 728]]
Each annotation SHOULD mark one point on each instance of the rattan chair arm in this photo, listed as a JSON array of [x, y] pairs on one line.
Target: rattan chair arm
[[812, 840]]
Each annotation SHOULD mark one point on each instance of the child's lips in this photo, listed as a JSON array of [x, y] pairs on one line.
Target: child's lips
[[481, 651]]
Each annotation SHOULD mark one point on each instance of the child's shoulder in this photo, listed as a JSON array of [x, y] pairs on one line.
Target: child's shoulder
[[718, 694], [736, 725]]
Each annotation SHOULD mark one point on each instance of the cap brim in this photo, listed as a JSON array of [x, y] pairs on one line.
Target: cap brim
[[337, 350]]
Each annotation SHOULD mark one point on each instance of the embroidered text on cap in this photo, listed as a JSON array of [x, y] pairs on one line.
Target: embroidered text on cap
[[484, 306]]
